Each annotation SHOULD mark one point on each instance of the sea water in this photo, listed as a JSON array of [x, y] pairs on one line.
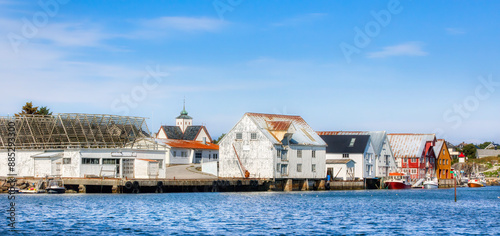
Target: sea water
[[370, 212]]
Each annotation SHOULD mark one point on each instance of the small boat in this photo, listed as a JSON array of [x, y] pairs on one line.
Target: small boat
[[477, 181], [430, 183], [397, 181], [55, 185], [31, 190]]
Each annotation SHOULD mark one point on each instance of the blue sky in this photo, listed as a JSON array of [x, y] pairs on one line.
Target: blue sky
[[414, 66]]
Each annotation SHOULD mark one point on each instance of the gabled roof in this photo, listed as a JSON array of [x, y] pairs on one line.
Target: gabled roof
[[189, 144], [272, 124], [491, 146], [409, 145], [377, 138], [175, 132], [172, 132], [341, 143], [437, 148]]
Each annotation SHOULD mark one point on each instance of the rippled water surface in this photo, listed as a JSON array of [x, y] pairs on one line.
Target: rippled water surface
[[334, 212]]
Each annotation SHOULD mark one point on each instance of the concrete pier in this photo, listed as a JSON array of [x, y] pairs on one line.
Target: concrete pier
[[114, 185]]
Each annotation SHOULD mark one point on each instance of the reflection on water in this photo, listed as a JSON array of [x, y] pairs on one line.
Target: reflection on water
[[335, 212]]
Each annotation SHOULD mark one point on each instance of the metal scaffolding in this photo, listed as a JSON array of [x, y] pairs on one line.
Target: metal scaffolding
[[70, 130]]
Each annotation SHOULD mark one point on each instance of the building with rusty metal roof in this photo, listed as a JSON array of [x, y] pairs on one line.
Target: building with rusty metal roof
[[272, 146], [414, 153]]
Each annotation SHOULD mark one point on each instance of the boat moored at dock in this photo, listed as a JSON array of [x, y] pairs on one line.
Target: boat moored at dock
[[430, 183], [397, 181], [477, 181]]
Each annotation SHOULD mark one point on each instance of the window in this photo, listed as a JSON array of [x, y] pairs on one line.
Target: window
[[66, 161], [175, 153], [253, 136], [93, 161], [183, 154], [284, 155], [239, 136], [413, 160], [413, 171], [299, 153], [345, 155], [313, 168], [110, 161], [353, 140], [160, 164], [313, 154], [215, 156], [443, 151], [299, 167], [278, 167], [278, 153], [284, 169]]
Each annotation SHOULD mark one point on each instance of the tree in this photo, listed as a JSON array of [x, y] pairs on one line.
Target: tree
[[484, 145], [44, 111], [219, 138], [470, 150], [28, 109]]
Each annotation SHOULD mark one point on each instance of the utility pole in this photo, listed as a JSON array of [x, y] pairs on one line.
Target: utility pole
[[455, 183]]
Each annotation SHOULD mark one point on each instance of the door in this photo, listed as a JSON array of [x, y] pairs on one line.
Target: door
[[329, 174], [153, 169], [284, 169], [197, 157], [42, 167], [128, 168], [56, 167]]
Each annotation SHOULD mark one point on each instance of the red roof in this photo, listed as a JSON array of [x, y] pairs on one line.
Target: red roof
[[176, 143], [461, 155]]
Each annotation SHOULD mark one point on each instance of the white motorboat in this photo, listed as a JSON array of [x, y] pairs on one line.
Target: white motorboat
[[55, 185], [431, 183]]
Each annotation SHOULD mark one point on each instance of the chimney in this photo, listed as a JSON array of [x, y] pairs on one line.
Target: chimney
[[205, 140]]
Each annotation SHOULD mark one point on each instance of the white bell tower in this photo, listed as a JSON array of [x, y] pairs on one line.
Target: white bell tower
[[183, 121]]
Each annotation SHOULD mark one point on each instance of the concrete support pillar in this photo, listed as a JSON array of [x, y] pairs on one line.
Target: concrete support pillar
[[288, 185], [115, 189], [321, 185], [305, 186], [82, 189]]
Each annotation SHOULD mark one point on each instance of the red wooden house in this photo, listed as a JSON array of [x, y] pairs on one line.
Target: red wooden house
[[414, 153]]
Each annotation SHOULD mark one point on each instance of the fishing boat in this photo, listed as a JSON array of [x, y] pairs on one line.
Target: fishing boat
[[430, 183], [477, 181], [397, 181], [55, 185]]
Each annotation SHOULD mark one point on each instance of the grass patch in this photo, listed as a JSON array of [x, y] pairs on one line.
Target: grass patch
[[485, 160], [491, 174]]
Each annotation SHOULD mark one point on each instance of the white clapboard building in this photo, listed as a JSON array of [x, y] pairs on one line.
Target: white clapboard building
[[272, 146]]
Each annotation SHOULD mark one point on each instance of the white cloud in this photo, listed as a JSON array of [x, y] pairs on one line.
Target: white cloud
[[404, 49], [454, 31], [300, 19], [185, 23]]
